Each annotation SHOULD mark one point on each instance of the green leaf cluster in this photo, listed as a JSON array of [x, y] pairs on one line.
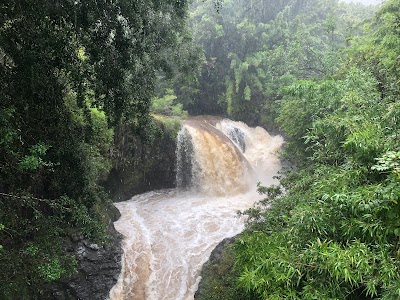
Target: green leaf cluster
[[165, 105]]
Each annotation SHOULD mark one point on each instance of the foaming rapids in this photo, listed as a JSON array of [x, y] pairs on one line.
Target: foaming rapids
[[169, 234]]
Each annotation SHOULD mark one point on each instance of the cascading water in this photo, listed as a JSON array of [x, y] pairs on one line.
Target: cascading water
[[212, 162], [169, 234]]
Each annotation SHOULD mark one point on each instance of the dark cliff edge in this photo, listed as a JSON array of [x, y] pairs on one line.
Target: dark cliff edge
[[216, 266], [219, 276]]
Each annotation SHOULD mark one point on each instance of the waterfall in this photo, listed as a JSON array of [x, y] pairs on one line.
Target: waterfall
[[169, 234], [209, 162]]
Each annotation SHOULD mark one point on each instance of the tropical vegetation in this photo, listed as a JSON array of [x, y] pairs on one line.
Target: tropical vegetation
[[331, 229], [73, 76], [80, 78]]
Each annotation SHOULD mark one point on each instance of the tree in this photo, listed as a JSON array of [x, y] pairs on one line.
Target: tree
[[259, 47], [70, 73]]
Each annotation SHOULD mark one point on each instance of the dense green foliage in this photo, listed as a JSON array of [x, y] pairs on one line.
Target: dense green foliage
[[253, 49], [74, 75], [331, 230], [71, 74]]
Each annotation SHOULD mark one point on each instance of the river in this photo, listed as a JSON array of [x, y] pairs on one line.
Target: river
[[169, 234]]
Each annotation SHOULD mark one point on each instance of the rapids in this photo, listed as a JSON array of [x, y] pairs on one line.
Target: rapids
[[169, 234]]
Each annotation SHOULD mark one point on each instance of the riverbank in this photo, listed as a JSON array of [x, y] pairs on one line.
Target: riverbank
[[218, 277]]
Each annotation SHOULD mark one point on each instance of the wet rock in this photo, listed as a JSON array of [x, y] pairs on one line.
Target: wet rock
[[214, 257], [141, 166], [94, 247], [217, 252], [98, 270]]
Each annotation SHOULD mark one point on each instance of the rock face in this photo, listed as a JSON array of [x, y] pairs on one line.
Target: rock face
[[98, 270], [214, 258], [217, 252], [139, 165]]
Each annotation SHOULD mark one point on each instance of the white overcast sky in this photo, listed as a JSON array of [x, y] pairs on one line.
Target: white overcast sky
[[366, 2]]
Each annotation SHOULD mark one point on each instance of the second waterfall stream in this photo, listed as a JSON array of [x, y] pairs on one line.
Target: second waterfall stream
[[169, 234]]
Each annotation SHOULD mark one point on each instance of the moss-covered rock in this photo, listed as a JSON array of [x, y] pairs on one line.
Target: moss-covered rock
[[218, 275]]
